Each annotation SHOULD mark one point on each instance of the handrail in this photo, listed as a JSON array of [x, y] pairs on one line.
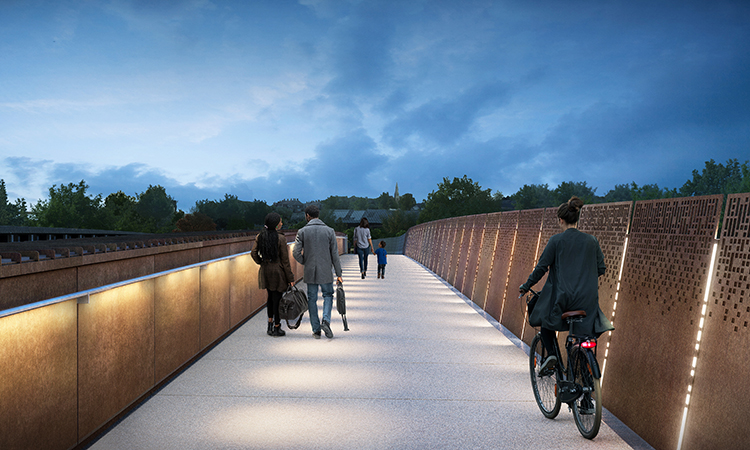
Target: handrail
[[87, 293]]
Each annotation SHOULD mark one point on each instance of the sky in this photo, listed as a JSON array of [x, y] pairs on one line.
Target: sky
[[306, 99]]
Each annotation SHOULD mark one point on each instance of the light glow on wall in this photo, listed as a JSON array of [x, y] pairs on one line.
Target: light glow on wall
[[614, 306], [694, 363]]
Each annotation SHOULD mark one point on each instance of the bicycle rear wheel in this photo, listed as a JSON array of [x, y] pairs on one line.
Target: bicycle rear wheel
[[587, 409], [544, 385]]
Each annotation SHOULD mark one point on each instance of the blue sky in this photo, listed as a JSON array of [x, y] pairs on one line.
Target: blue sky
[[312, 98]]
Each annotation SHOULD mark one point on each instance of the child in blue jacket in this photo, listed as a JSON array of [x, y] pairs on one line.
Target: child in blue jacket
[[382, 259]]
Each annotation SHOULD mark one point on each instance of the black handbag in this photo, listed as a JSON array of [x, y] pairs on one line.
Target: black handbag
[[292, 306], [341, 304], [531, 302]]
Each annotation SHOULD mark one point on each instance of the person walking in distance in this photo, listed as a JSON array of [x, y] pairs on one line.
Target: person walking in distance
[[275, 274], [315, 248], [363, 244]]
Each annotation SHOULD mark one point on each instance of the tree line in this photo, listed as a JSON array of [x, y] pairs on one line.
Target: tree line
[[154, 211]]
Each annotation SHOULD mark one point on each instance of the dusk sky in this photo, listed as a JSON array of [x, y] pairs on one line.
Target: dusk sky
[[306, 99]]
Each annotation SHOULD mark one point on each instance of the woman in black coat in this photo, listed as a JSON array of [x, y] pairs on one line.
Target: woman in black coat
[[275, 274], [575, 262]]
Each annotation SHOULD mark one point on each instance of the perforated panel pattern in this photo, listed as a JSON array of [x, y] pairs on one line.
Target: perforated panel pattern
[[608, 222], [725, 341], [524, 258], [486, 257], [663, 283], [502, 261]]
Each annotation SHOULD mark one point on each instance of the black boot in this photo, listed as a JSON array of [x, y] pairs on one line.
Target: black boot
[[277, 331], [270, 328]]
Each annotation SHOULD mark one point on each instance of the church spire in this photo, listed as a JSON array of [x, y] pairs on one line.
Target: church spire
[[395, 193]]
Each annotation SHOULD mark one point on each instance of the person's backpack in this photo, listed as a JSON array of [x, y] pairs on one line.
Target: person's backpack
[[292, 306]]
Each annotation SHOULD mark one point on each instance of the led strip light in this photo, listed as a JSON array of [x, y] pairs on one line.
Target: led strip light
[[697, 345]]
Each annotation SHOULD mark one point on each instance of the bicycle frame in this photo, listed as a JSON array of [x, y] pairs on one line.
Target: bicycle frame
[[569, 391]]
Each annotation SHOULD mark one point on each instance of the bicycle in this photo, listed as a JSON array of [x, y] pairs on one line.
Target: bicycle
[[577, 384]]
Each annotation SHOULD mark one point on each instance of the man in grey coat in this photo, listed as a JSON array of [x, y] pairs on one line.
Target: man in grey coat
[[317, 250]]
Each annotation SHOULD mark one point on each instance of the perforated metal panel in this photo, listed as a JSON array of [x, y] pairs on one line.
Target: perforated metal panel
[[524, 257], [609, 223], [463, 254], [720, 400], [550, 227], [456, 252], [436, 246], [663, 282], [501, 263], [448, 247], [486, 257]]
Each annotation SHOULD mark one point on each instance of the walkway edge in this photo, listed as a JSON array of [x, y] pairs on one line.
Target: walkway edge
[[622, 430]]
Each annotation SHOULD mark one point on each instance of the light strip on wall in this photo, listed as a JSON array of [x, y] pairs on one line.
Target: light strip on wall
[[697, 345], [536, 259], [510, 265], [614, 306]]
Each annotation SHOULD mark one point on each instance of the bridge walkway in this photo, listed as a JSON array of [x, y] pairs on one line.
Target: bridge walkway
[[421, 368]]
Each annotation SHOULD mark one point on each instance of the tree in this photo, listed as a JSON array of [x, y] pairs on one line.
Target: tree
[[385, 201], [568, 189], [69, 207], [195, 222], [157, 209], [120, 212], [11, 213], [460, 197], [255, 213], [716, 179], [532, 196], [620, 193], [397, 222], [406, 202]]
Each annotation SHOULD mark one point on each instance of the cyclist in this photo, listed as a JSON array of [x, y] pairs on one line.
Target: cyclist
[[575, 261]]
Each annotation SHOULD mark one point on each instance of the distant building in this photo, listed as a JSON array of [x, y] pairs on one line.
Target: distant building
[[351, 217], [293, 204]]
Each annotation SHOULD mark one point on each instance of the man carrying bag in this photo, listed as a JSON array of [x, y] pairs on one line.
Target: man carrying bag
[[316, 248]]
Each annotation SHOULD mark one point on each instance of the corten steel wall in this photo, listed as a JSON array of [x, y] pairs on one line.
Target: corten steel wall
[[463, 255], [722, 357], [472, 262], [458, 240], [608, 222], [657, 307], [30, 282], [658, 314], [484, 263], [525, 253], [501, 263], [70, 368]]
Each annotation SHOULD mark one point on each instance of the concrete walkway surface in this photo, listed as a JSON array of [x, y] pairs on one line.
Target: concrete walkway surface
[[420, 369]]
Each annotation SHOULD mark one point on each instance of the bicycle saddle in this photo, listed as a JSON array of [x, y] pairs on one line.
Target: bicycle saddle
[[571, 314]]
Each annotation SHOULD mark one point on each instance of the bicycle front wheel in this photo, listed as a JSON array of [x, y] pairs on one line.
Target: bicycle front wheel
[[544, 385], [587, 409]]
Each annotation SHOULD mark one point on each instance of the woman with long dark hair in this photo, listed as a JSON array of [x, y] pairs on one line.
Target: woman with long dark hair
[[363, 244], [575, 263], [275, 274]]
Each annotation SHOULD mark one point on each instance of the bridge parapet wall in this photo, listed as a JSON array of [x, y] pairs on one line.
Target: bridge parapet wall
[[678, 297], [71, 365]]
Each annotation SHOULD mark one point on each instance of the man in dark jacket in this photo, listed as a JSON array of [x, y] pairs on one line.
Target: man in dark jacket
[[316, 249]]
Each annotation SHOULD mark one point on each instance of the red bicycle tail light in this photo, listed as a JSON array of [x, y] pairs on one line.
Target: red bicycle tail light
[[588, 344]]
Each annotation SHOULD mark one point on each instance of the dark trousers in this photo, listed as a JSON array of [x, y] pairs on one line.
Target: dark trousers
[[381, 269], [362, 253], [272, 305], [548, 340]]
